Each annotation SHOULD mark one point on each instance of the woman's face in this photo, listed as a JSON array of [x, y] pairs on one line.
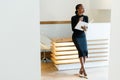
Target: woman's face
[[80, 9]]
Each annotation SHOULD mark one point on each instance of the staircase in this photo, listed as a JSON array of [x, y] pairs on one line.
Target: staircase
[[65, 56]]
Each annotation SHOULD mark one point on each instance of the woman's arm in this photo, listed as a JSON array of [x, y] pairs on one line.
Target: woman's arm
[[72, 23], [86, 19]]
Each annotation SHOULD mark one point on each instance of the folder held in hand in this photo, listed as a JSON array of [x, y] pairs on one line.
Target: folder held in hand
[[80, 24]]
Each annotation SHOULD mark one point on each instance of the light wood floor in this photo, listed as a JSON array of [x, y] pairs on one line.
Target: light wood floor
[[49, 72]]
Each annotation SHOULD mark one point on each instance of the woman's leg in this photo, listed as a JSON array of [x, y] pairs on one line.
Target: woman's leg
[[85, 74], [82, 65], [82, 69], [84, 59]]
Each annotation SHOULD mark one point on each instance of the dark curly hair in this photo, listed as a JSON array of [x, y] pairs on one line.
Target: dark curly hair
[[77, 7]]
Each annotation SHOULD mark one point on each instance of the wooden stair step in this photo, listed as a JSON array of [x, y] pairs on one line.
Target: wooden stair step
[[75, 61]]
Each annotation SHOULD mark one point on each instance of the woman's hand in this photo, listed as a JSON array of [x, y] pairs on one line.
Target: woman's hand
[[84, 28], [81, 19]]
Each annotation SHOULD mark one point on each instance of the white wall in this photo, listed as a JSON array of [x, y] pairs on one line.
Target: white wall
[[19, 40], [52, 10], [56, 30], [48, 32], [114, 70]]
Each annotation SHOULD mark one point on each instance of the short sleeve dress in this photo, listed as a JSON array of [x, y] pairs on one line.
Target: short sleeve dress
[[79, 37]]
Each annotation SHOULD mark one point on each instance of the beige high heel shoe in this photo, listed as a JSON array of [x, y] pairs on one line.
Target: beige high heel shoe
[[85, 74], [81, 73]]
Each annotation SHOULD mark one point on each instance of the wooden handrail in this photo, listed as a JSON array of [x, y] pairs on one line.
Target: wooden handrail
[[55, 22]]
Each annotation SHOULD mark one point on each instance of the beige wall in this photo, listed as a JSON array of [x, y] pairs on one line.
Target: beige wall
[[100, 4], [61, 10], [101, 15]]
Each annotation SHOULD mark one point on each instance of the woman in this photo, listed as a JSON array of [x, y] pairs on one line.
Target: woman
[[79, 37]]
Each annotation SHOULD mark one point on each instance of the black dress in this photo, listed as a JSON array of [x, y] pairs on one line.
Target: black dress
[[79, 37]]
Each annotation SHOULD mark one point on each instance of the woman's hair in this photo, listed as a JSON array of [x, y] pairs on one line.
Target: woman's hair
[[77, 7]]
